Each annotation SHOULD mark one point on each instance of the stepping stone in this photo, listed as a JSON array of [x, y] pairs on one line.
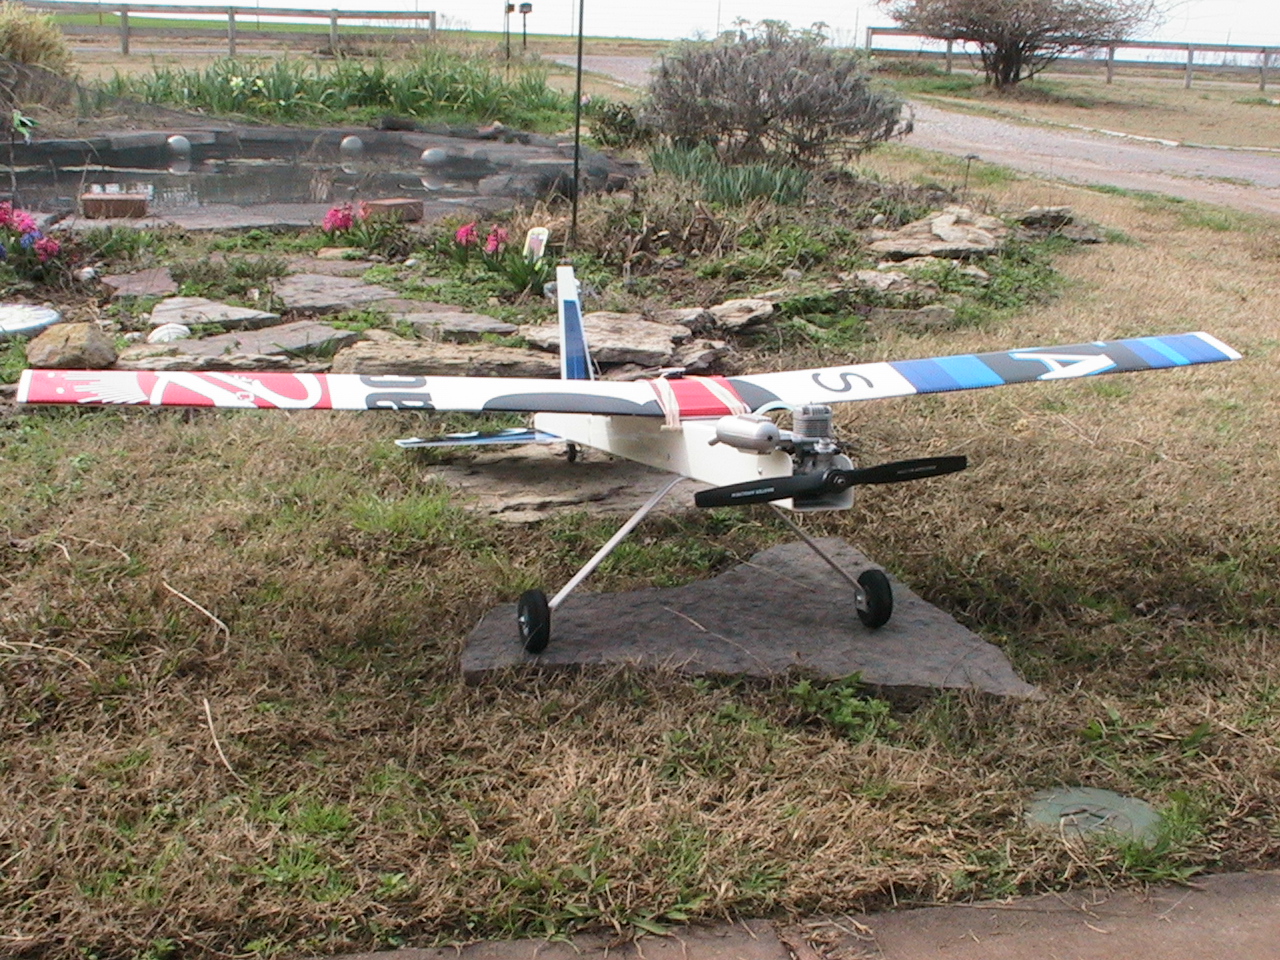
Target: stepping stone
[[318, 293], [783, 610], [287, 338], [194, 310], [459, 327], [155, 282]]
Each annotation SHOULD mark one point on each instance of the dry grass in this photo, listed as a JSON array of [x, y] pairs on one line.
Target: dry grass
[[343, 789]]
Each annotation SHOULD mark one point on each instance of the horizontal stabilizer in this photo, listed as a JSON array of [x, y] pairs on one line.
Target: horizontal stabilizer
[[479, 438]]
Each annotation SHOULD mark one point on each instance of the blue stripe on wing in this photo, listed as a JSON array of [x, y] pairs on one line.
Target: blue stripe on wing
[[479, 438], [970, 371]]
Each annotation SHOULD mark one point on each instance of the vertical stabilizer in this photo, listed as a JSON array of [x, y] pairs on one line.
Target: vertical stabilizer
[[575, 357]]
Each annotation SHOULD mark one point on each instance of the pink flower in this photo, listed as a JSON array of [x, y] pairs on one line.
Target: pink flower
[[22, 221], [496, 241], [47, 248], [338, 218], [6, 214], [467, 235]]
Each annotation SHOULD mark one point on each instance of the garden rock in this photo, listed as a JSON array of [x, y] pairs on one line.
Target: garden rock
[[740, 314], [417, 358], [618, 338], [287, 338], [156, 282], [201, 310], [458, 327], [954, 232], [699, 320], [319, 293], [167, 332], [699, 356], [72, 346], [168, 357], [893, 282]]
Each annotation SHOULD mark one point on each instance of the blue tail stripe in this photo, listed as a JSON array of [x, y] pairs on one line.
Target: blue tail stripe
[[577, 363]]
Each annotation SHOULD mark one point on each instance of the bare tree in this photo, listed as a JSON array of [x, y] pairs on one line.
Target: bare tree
[[1018, 38], [769, 92]]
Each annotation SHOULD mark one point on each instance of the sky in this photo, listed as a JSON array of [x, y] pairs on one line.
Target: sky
[[1198, 21]]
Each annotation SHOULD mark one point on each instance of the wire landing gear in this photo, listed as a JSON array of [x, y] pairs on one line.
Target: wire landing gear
[[873, 594]]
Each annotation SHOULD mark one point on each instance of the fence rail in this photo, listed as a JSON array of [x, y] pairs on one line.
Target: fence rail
[[1264, 54], [227, 13]]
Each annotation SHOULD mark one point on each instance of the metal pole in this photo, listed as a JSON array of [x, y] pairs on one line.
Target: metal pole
[[524, 33], [577, 135]]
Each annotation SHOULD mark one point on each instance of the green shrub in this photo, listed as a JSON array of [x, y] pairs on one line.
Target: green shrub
[[771, 92], [616, 124]]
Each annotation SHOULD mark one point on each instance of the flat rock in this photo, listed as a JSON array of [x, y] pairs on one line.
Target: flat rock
[[170, 357], [287, 338], [740, 314], [321, 293], [954, 232], [785, 609], [156, 282], [332, 266], [421, 359], [618, 338], [200, 310], [459, 327]]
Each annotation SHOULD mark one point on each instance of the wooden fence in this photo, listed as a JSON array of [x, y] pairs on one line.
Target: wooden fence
[[231, 15], [1265, 55]]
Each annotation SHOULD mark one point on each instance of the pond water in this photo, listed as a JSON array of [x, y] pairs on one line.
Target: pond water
[[253, 175]]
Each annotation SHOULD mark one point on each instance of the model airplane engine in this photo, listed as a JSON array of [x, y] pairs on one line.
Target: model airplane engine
[[750, 432], [812, 446]]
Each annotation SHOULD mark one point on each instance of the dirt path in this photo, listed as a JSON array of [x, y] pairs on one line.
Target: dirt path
[[1243, 179]]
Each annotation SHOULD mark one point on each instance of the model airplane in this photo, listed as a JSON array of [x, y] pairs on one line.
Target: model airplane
[[711, 429]]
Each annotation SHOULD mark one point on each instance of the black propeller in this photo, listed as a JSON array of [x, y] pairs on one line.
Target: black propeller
[[833, 481]]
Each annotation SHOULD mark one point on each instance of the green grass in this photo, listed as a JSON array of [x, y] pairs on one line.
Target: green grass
[[435, 85]]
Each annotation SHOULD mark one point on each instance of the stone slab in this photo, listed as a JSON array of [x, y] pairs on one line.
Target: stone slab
[[1234, 916], [322, 293], [283, 339], [201, 310], [784, 609], [156, 282], [459, 327]]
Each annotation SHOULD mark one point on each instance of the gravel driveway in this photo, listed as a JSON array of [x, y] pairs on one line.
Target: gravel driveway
[[1244, 179]]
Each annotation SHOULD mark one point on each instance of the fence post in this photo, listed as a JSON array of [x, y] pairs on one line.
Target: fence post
[[1191, 59], [432, 20], [333, 32], [871, 32], [124, 29], [231, 31], [1111, 63], [950, 43], [1262, 69]]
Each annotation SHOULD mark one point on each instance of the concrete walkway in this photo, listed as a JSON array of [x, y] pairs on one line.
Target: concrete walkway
[[1227, 917]]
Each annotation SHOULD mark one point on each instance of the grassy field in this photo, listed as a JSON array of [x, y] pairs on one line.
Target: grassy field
[[231, 721]]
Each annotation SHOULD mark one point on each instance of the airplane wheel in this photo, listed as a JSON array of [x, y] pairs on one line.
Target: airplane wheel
[[533, 620], [875, 599]]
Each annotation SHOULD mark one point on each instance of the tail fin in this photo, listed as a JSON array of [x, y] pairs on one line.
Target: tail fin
[[575, 357]]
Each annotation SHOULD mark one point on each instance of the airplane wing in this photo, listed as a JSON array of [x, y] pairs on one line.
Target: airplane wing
[[899, 378], [674, 399]]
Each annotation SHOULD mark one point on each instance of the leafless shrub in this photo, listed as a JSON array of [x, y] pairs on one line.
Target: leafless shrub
[[772, 93]]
